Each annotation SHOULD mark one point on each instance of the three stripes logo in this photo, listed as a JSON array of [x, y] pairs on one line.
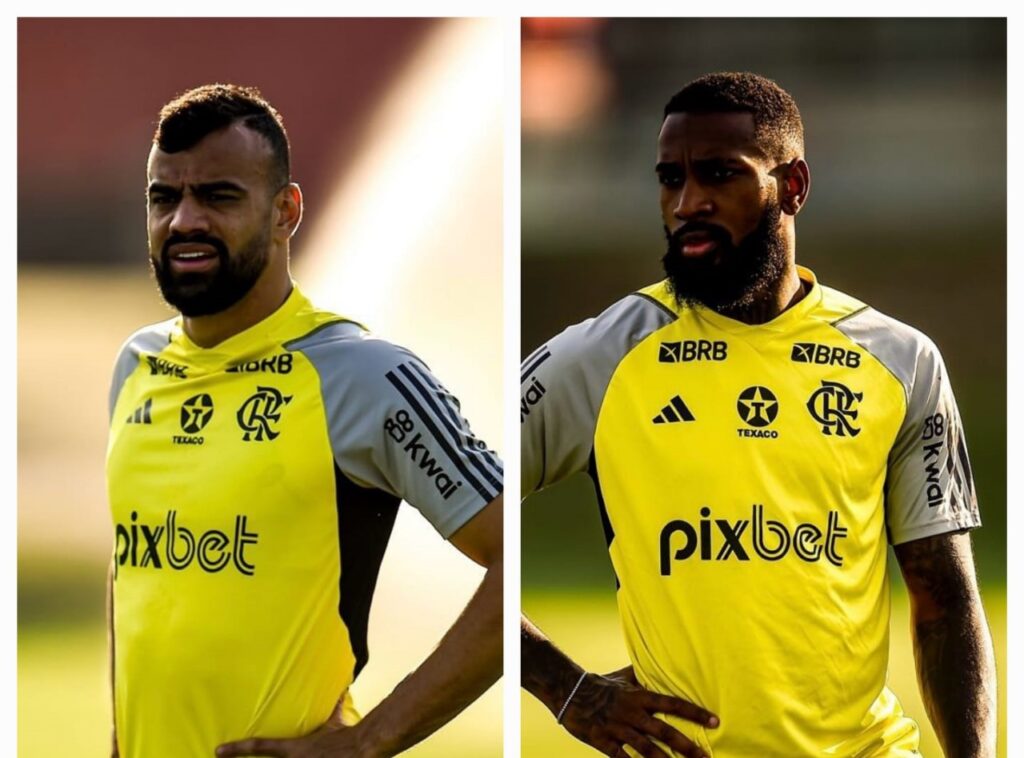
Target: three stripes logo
[[674, 413], [141, 415]]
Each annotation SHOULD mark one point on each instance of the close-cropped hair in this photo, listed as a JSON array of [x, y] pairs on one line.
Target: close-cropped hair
[[778, 127], [192, 115]]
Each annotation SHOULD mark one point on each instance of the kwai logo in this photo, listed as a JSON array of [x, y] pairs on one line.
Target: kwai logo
[[770, 540], [531, 388], [171, 544], [934, 453], [399, 429], [534, 392]]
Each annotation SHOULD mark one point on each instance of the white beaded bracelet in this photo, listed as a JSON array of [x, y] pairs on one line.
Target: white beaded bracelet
[[569, 699]]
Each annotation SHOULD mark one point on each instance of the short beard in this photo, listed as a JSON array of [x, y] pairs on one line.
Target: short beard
[[203, 294], [733, 277]]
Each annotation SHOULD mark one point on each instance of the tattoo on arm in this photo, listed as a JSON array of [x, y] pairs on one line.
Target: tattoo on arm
[[547, 673], [952, 645]]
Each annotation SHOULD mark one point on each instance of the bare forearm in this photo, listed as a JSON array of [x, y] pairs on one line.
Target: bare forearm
[[952, 645], [607, 712], [461, 668], [547, 673], [956, 671]]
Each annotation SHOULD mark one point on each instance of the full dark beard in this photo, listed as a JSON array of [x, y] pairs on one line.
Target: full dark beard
[[733, 277], [201, 293]]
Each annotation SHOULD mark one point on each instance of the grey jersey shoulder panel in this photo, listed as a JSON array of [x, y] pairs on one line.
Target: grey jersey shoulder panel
[[563, 383], [929, 484], [149, 339], [394, 427], [897, 346]]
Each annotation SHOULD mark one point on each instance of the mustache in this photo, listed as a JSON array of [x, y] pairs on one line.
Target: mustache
[[206, 239], [714, 232]]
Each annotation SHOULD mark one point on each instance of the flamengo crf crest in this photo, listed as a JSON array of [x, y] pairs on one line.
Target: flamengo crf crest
[[832, 406], [258, 413]]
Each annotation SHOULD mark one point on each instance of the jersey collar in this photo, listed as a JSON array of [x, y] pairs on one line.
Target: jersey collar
[[780, 323], [257, 335]]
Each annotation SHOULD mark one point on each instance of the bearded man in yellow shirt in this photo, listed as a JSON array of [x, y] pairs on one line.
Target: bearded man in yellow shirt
[[756, 439], [259, 449]]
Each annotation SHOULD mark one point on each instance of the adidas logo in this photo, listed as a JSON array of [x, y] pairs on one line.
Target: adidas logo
[[674, 412], [141, 414]]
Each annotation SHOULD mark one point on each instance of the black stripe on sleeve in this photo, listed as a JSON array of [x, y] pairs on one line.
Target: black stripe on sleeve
[[530, 368], [534, 354], [965, 465], [457, 424], [425, 394], [459, 463]]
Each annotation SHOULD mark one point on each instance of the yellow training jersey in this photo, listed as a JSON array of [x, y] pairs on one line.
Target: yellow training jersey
[[253, 487], [749, 478]]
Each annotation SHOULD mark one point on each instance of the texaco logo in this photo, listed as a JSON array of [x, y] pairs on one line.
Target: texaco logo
[[757, 406], [196, 413]]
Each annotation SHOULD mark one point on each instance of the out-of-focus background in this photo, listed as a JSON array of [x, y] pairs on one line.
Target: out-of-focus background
[[905, 125], [396, 140]]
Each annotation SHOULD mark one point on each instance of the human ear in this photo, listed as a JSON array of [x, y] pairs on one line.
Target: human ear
[[796, 185], [288, 209]]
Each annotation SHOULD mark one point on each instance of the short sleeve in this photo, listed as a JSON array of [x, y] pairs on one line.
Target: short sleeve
[[929, 484], [393, 426], [562, 385], [556, 424]]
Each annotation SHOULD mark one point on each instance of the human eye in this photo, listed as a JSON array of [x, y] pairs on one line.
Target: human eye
[[670, 179], [221, 196], [719, 172], [162, 198]]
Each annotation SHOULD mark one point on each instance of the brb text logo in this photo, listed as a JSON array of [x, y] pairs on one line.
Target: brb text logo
[[824, 355], [275, 364], [402, 429], [161, 367], [685, 351], [154, 546], [770, 540]]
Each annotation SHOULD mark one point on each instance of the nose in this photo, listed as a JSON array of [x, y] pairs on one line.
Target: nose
[[189, 216], [692, 202]]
